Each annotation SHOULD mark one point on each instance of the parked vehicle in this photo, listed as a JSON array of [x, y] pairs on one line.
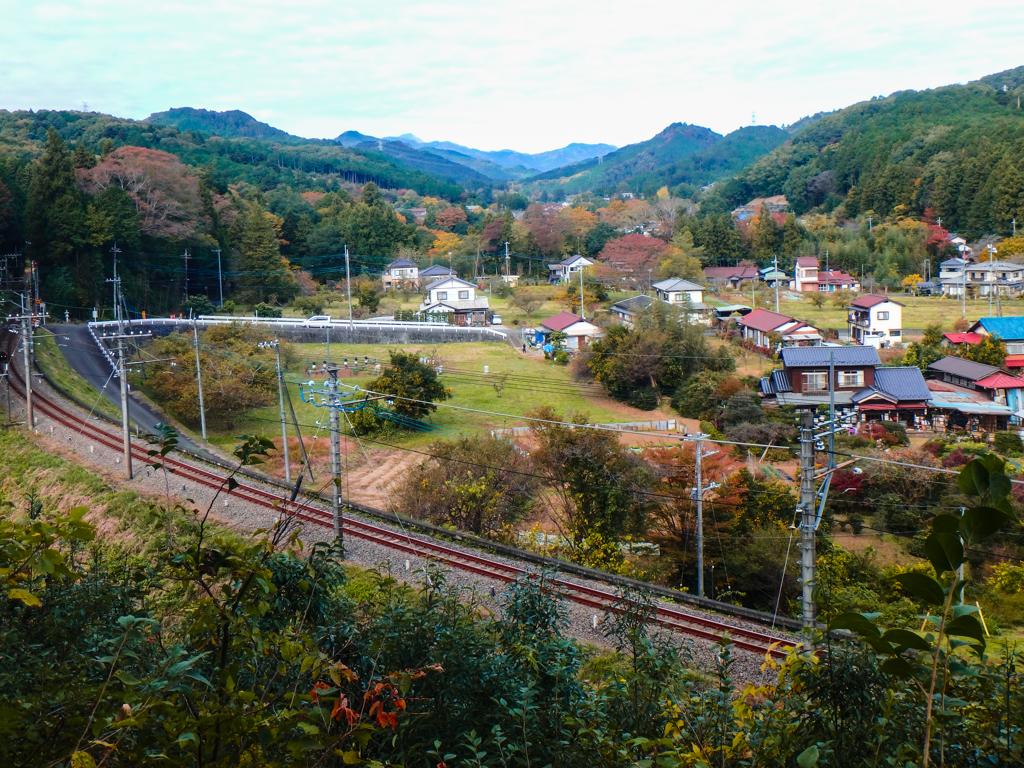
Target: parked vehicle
[[317, 321]]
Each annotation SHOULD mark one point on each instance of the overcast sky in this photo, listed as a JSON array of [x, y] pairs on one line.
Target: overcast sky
[[527, 75]]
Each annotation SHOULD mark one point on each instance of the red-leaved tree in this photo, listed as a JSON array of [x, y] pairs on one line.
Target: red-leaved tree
[[633, 254]]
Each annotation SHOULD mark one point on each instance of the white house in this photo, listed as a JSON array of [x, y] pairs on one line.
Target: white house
[[450, 295], [876, 321], [679, 291], [805, 275], [578, 331], [399, 271], [568, 268], [682, 293]]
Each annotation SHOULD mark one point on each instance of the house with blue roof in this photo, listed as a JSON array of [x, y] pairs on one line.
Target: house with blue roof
[[1010, 330]]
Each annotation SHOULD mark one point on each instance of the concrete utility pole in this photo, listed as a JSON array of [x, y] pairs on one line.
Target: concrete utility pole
[[332, 404], [199, 379], [276, 344], [807, 514], [699, 445], [117, 304], [348, 287], [26, 350], [126, 436], [582, 313], [220, 278], [186, 274], [776, 262]]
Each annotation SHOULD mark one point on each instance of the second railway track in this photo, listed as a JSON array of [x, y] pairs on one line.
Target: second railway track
[[684, 621]]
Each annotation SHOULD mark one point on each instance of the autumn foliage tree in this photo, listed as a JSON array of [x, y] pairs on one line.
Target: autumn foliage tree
[[634, 255]]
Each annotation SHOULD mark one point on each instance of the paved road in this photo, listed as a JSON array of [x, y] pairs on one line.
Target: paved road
[[85, 357]]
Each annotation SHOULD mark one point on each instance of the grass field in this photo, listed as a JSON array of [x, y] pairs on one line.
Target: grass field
[[52, 361], [532, 382]]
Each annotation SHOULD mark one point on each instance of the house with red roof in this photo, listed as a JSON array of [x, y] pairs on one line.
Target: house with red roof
[[579, 333], [808, 277], [876, 321], [760, 326]]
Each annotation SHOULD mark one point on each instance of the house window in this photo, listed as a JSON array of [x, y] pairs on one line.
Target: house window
[[815, 381], [1015, 349], [896, 333], [851, 378], [442, 295], [883, 315], [463, 294]]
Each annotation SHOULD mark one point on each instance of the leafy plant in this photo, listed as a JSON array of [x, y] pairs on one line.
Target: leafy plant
[[932, 661]]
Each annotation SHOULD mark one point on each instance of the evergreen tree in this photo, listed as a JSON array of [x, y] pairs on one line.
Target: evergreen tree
[[54, 217], [792, 237], [82, 158], [766, 238], [1009, 199], [263, 270]]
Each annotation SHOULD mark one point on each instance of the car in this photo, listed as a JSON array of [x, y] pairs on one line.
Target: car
[[317, 321]]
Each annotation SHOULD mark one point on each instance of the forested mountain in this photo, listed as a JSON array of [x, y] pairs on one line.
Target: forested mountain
[[427, 162], [488, 168], [680, 154], [958, 150], [232, 124], [504, 158]]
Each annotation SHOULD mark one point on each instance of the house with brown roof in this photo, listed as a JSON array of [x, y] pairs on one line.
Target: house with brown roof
[[732, 276], [760, 326], [974, 395], [400, 272], [876, 321]]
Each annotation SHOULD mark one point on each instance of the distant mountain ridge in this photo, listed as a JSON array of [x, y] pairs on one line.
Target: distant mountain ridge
[[503, 158], [680, 154]]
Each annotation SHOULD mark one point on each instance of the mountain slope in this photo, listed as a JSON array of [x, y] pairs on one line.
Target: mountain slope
[[225, 161], [957, 149], [427, 162], [486, 167], [676, 142], [232, 124]]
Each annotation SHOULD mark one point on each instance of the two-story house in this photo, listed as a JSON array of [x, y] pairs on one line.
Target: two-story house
[[809, 277], [761, 326], [987, 278], [568, 269], [1010, 330], [805, 275], [456, 297], [859, 383], [399, 272], [578, 332], [876, 321], [682, 293]]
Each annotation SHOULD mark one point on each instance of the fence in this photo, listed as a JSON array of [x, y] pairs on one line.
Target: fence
[[669, 425]]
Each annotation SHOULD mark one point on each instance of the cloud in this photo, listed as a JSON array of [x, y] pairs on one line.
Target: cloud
[[529, 76]]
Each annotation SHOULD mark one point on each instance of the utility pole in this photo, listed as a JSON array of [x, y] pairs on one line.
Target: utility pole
[[332, 384], [220, 279], [122, 372], [582, 313], [348, 287], [776, 284], [699, 444], [199, 379], [117, 304], [26, 351], [276, 344], [186, 274], [807, 514]]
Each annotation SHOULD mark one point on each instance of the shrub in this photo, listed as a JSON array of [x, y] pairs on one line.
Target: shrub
[[228, 306], [935, 447], [1005, 442], [310, 305], [265, 310], [562, 357], [199, 305], [1008, 578], [711, 430], [645, 398], [897, 430], [956, 459]]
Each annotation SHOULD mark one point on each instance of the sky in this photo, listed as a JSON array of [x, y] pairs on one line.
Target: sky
[[530, 76]]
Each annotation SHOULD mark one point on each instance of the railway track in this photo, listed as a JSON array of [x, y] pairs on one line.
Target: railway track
[[686, 622]]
